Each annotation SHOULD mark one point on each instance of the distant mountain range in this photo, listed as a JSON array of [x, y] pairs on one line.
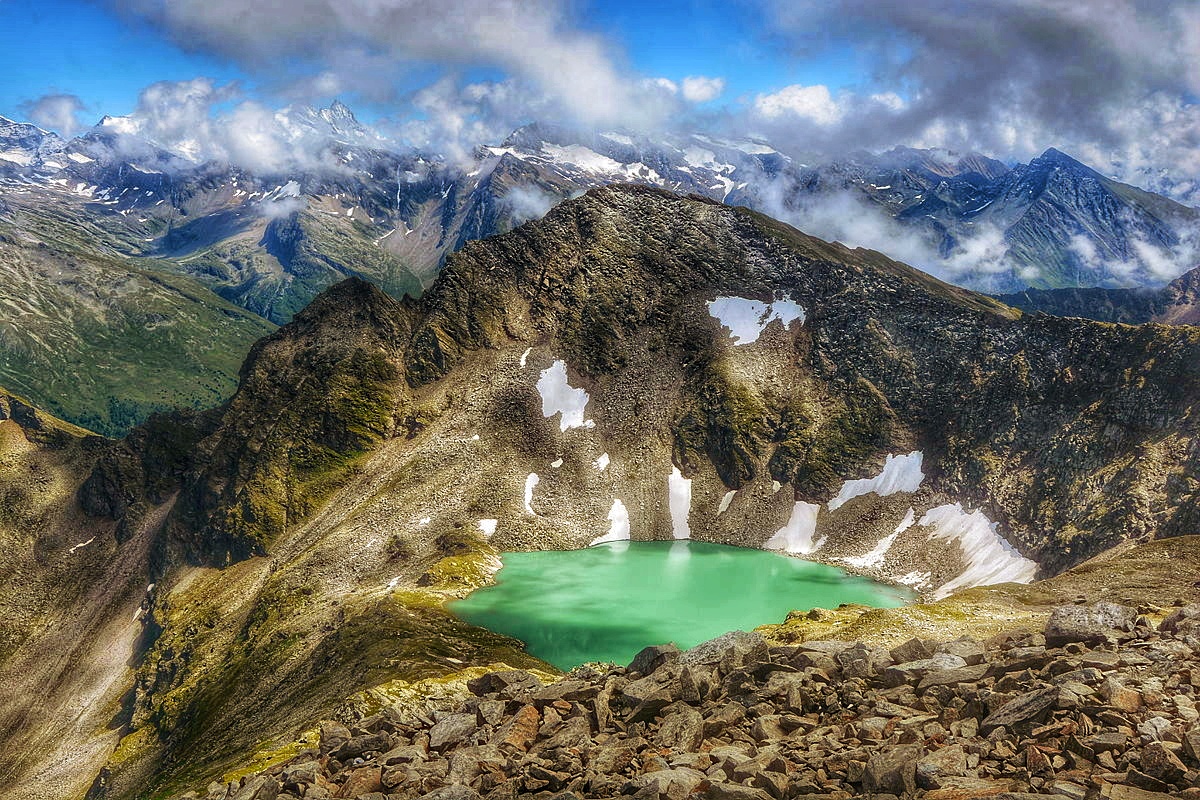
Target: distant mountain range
[[1177, 303], [353, 204]]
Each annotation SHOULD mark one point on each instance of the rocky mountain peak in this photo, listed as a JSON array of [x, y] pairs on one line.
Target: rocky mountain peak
[[1053, 158]]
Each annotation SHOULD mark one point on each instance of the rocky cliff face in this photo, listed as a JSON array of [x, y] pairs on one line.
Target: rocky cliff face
[[708, 371]]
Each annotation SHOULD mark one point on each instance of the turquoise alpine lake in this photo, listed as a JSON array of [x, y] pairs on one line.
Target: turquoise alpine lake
[[607, 602]]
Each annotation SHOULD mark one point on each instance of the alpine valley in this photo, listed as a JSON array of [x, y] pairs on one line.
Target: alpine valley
[[248, 600]]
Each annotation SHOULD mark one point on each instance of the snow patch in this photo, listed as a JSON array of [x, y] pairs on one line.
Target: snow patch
[[583, 157], [914, 579], [618, 525], [75, 547], [488, 527], [797, 535], [989, 557], [80, 158], [601, 463], [679, 496], [423, 521], [619, 138], [530, 482], [875, 557], [19, 157], [525, 356], [558, 396], [747, 319], [775, 487], [556, 463], [899, 474], [725, 501]]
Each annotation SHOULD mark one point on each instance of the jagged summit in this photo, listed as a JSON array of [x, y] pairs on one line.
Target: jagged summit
[[1053, 158]]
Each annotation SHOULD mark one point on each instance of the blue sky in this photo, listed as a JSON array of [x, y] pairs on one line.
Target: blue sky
[[104, 57], [83, 48], [1005, 77]]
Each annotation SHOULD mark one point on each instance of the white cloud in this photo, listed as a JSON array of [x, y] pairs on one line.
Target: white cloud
[[369, 46], [199, 120], [529, 202], [56, 112], [813, 103], [1114, 81], [700, 89], [846, 217], [661, 84]]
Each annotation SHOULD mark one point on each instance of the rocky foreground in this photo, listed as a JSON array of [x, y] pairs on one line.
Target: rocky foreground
[[1100, 705]]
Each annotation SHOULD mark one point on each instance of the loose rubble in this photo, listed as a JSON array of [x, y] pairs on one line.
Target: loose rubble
[[1102, 705]]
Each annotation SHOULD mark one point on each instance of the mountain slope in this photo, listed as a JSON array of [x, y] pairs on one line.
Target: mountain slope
[[303, 537], [103, 341]]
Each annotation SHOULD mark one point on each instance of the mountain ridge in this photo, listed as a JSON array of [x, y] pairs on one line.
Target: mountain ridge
[[271, 240], [299, 542]]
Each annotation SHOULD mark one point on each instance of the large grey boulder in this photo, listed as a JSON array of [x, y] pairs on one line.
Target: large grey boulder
[[730, 651], [1094, 624]]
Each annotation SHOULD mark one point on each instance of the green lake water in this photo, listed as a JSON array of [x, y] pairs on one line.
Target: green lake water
[[605, 603]]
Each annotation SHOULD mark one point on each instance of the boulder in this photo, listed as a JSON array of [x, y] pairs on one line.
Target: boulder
[[893, 770], [647, 697], [1094, 624], [333, 736], [362, 781], [912, 650], [723, 717], [451, 793], [666, 784], [682, 730], [1022, 709], [1181, 620], [734, 791], [520, 731], [651, 658], [966, 648], [1191, 743], [370, 743], [731, 651], [912, 672], [939, 764], [451, 730], [258, 787], [502, 680], [1159, 762]]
